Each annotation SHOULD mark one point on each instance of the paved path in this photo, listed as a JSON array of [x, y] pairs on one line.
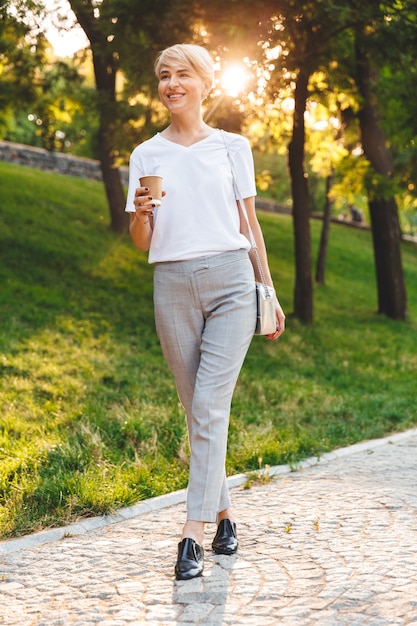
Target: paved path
[[334, 544]]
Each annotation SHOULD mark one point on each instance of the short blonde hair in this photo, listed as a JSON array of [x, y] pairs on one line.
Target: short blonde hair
[[197, 57]]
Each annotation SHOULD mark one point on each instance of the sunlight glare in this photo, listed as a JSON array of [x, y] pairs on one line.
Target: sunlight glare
[[68, 40], [234, 80]]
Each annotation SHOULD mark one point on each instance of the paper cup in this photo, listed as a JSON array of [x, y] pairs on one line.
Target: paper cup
[[154, 183]]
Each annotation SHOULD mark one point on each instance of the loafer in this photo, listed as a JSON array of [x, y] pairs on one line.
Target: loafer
[[190, 560], [225, 540]]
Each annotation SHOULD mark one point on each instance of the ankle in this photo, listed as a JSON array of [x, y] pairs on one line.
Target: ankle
[[193, 530], [226, 514]]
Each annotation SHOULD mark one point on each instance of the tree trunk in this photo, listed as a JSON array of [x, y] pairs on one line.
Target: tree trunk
[[392, 299], [386, 234], [324, 239], [303, 291], [105, 67], [105, 76]]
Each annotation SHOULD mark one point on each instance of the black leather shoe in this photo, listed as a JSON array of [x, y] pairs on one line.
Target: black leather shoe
[[190, 560], [225, 541]]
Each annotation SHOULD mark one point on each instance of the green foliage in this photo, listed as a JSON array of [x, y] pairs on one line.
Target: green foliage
[[272, 177], [20, 55], [63, 115], [45, 102], [90, 420], [395, 91]]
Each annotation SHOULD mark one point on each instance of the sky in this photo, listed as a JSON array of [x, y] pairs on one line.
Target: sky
[[65, 43]]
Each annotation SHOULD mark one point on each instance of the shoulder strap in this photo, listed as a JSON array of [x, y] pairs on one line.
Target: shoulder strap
[[237, 190], [244, 211]]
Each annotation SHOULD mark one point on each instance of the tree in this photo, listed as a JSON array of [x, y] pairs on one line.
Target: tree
[[377, 42], [396, 87], [123, 35], [20, 56], [386, 234], [106, 64], [305, 34], [300, 33], [324, 237], [303, 290]]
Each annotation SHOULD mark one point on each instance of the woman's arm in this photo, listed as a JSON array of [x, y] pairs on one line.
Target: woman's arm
[[140, 232], [260, 244]]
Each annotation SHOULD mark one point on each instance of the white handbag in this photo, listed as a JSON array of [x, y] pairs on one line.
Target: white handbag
[[266, 322]]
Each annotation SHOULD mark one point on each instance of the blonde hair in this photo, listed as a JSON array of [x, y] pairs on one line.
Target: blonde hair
[[194, 56]]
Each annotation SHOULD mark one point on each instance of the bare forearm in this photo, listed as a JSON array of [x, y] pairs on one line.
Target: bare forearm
[[140, 230], [260, 244]]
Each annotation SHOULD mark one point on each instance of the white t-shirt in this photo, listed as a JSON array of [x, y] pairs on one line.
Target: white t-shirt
[[198, 215]]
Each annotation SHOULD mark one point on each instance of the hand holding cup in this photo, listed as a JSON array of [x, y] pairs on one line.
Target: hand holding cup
[[148, 195]]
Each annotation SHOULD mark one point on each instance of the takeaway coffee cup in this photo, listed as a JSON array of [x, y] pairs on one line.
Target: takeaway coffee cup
[[154, 184]]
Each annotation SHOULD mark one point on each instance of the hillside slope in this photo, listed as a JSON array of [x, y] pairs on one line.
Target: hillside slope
[[89, 417]]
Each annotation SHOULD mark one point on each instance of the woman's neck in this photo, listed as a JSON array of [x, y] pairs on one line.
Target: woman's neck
[[186, 132]]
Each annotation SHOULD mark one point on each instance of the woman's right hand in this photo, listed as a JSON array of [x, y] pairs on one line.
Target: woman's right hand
[[144, 203]]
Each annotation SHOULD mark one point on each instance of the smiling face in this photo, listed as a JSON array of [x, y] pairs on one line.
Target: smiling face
[[180, 88]]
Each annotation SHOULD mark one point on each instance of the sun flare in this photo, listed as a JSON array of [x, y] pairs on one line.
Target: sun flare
[[234, 79]]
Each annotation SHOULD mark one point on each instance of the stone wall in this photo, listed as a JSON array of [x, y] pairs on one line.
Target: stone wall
[[83, 168], [54, 161]]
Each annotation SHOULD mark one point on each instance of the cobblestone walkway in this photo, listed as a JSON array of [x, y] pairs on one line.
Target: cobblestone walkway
[[333, 544]]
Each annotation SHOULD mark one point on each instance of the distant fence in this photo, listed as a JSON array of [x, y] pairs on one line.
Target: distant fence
[[58, 162]]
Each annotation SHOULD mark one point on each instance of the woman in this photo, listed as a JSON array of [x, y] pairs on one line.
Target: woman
[[204, 292]]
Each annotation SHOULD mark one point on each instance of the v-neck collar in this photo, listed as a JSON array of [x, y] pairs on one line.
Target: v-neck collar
[[192, 145]]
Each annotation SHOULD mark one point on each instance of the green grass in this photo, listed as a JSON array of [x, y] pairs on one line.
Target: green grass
[[89, 417]]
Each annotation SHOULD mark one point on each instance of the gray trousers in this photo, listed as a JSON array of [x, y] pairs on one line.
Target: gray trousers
[[205, 312]]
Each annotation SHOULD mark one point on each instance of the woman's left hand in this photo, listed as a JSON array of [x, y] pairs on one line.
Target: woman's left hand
[[280, 316]]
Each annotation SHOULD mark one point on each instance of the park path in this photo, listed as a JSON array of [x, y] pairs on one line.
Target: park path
[[332, 544]]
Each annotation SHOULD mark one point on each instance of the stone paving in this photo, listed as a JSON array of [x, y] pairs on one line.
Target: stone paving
[[332, 544]]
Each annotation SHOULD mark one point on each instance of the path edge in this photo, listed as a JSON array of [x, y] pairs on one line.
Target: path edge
[[157, 503]]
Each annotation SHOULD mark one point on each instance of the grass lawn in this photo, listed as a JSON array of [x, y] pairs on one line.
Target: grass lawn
[[89, 417]]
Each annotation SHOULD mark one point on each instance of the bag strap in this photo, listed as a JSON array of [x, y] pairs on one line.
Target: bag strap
[[241, 202]]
